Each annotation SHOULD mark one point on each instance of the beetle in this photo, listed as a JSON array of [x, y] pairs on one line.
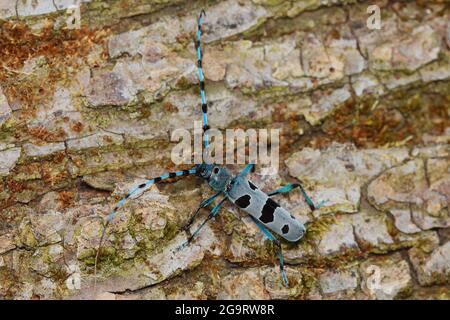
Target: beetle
[[266, 213]]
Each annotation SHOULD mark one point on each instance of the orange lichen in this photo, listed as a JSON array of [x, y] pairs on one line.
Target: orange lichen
[[46, 135], [78, 161], [77, 127], [59, 157], [107, 139], [66, 198], [15, 186], [54, 178], [170, 107], [7, 203], [371, 124]]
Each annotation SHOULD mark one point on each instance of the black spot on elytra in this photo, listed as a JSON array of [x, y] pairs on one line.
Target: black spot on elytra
[[268, 211], [285, 229], [243, 202], [252, 186]]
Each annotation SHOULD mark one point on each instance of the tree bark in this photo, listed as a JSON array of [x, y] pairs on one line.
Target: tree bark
[[91, 93]]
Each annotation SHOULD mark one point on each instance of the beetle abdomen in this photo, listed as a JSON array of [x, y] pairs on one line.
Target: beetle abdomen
[[252, 200]]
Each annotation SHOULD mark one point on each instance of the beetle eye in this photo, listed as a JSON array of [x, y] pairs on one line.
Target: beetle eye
[[216, 170]]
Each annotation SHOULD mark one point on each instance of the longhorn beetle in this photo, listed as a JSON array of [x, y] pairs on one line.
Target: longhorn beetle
[[263, 210]]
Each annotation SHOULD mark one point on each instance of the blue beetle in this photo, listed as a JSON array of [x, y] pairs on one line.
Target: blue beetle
[[264, 211]]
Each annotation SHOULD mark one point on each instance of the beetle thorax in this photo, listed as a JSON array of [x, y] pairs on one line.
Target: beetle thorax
[[217, 177]]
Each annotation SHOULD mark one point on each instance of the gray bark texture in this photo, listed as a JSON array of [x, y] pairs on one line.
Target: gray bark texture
[[87, 111]]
